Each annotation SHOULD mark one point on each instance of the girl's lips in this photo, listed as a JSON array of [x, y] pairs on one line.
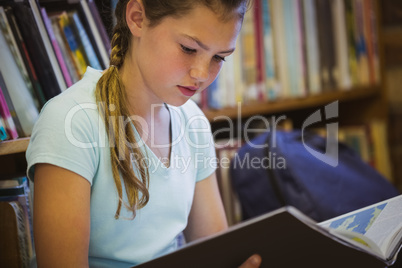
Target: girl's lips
[[187, 91]]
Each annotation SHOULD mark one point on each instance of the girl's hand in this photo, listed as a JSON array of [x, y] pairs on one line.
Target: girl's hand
[[253, 262]]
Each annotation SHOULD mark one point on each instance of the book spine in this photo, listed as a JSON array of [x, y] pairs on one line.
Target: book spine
[[269, 59], [8, 120], [100, 26], [10, 107], [312, 48], [73, 44], [350, 30], [248, 39], [26, 58], [341, 48], [48, 47], [278, 29], [3, 131], [21, 98], [89, 51], [259, 50], [360, 42], [300, 48], [56, 48], [62, 42], [12, 44], [95, 31]]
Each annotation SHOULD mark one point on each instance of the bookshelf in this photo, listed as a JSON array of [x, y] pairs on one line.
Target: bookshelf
[[292, 104], [364, 102]]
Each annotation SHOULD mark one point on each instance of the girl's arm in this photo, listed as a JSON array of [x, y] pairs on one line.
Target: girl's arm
[[207, 214], [61, 217]]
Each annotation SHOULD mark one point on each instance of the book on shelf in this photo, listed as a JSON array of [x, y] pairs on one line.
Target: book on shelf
[[8, 122], [368, 237], [14, 48], [100, 26], [17, 190], [95, 33], [26, 57], [8, 105], [40, 54], [13, 242], [49, 52], [86, 43], [57, 50], [312, 52], [17, 90], [65, 51], [74, 44], [3, 132]]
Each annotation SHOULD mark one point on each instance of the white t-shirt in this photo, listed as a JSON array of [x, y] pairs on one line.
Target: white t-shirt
[[70, 133]]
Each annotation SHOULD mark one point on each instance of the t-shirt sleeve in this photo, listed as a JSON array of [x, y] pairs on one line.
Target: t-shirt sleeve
[[65, 136]]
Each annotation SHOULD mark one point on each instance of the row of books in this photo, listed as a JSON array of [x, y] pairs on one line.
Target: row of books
[[16, 223], [297, 48], [43, 52], [369, 141]]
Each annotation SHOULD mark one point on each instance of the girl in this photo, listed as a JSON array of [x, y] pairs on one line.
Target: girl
[[122, 160]]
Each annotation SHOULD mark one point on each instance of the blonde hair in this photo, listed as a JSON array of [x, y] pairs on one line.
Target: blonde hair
[[112, 100]]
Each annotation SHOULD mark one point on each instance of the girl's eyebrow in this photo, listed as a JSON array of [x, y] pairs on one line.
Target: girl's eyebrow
[[202, 45]]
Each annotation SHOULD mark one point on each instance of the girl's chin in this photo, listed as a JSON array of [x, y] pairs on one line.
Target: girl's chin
[[178, 101]]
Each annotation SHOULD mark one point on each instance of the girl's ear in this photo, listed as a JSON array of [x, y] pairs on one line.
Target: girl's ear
[[135, 17]]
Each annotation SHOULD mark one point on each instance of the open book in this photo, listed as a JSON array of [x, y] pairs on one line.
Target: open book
[[368, 237]]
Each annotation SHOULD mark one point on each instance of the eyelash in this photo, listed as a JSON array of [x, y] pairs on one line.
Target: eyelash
[[191, 51]]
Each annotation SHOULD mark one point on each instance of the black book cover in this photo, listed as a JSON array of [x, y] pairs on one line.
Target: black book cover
[[25, 57]]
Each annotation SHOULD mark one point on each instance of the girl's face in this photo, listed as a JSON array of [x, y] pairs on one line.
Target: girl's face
[[182, 56]]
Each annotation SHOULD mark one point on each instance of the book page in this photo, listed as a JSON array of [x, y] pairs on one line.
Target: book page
[[378, 222]]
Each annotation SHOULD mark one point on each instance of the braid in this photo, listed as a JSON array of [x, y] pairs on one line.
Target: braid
[[112, 105]]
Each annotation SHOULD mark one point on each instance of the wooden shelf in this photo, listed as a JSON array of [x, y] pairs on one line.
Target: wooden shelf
[[285, 105], [14, 146], [392, 36]]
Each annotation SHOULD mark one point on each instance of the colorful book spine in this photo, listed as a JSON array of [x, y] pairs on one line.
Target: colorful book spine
[[12, 44], [371, 40], [360, 42], [271, 84], [249, 57], [9, 125], [351, 37], [3, 132], [56, 48], [88, 48], [68, 58], [73, 43], [280, 47], [21, 98], [341, 44], [312, 48], [95, 31], [292, 46], [259, 50]]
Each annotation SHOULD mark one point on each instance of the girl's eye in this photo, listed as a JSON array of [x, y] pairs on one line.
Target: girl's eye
[[219, 58], [187, 50]]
